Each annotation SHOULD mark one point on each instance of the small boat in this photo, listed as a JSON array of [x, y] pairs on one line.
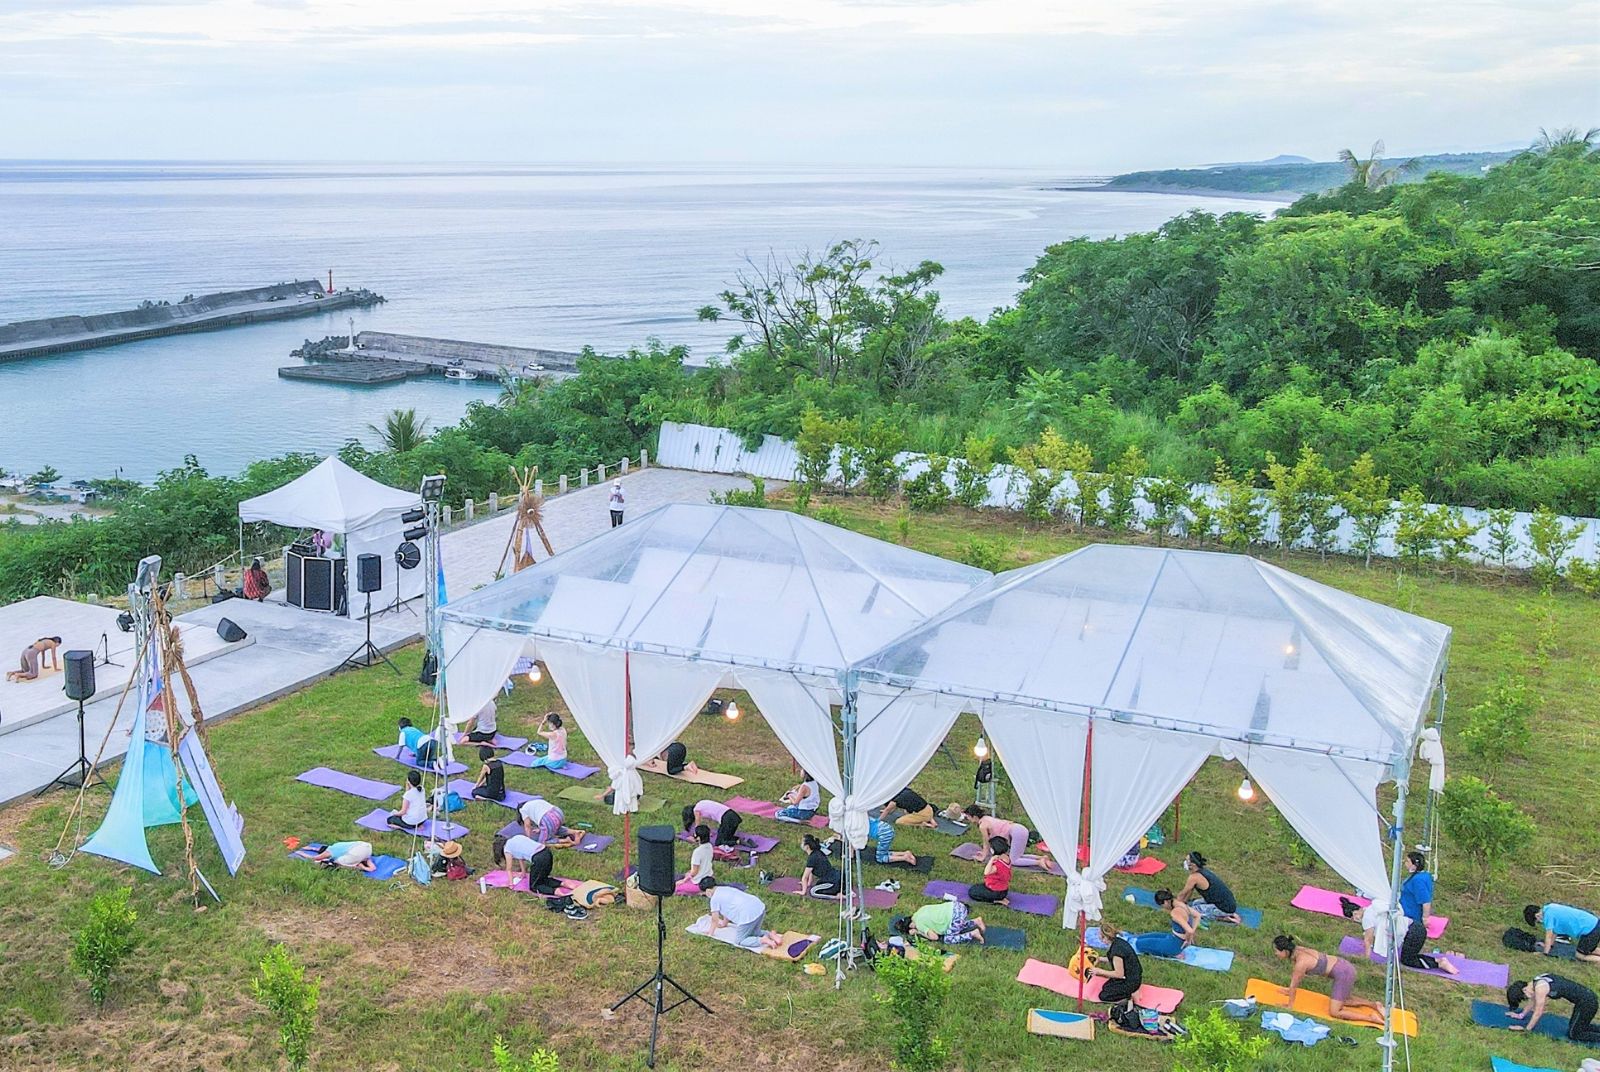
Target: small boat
[[459, 374]]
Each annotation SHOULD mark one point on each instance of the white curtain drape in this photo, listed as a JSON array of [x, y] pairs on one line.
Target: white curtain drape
[[897, 732], [1042, 752], [476, 663], [1333, 803], [667, 693], [799, 709], [590, 680], [1133, 775]]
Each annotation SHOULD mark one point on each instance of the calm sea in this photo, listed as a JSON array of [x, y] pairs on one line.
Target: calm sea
[[559, 257]]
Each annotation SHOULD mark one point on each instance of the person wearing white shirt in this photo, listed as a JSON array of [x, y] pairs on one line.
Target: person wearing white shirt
[[802, 801], [543, 820], [413, 804], [700, 861], [616, 501], [520, 853], [737, 916], [481, 727]]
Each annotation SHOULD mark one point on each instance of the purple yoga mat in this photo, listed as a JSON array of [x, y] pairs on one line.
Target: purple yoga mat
[[403, 756], [969, 851], [1472, 972], [1036, 904], [365, 788], [571, 769], [590, 842], [377, 820], [500, 741], [755, 844], [873, 898], [513, 800]]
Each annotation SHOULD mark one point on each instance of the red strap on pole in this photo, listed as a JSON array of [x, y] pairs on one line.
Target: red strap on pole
[[627, 747]]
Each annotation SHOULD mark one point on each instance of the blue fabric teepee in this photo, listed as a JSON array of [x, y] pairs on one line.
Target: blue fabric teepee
[[121, 833]]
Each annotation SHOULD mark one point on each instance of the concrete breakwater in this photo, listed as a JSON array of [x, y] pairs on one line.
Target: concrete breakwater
[[209, 312], [382, 356]]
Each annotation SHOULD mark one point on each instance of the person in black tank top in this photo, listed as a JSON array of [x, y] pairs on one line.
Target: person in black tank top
[[491, 783], [1118, 966], [1208, 893], [1545, 988]]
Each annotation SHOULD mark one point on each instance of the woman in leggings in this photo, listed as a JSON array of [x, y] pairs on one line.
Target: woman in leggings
[[1416, 903], [718, 816], [1342, 1004], [1544, 988]]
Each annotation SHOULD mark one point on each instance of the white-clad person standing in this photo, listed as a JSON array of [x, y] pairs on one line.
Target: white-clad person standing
[[616, 502]]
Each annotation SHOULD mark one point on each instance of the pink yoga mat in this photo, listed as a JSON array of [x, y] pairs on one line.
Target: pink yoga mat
[[377, 820], [873, 898], [1036, 904], [1471, 972], [514, 800], [766, 809], [1147, 865], [1056, 978], [501, 880], [1326, 902], [967, 850]]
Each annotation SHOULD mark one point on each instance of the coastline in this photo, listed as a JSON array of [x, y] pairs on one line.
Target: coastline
[[1281, 197]]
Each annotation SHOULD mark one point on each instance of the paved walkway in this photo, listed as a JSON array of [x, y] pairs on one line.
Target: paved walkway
[[293, 648]]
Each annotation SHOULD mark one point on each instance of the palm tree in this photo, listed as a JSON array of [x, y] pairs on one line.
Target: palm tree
[[1561, 137], [1370, 173], [402, 430]]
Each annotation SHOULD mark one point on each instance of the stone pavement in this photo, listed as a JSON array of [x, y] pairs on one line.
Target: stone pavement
[[293, 648]]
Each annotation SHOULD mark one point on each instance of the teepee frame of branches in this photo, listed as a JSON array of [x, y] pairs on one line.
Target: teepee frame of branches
[[529, 520]]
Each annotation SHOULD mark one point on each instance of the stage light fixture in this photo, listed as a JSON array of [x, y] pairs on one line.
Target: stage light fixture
[[415, 533], [411, 517], [432, 488]]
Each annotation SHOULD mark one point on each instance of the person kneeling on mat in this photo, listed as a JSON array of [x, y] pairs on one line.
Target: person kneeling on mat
[[491, 783], [802, 801], [741, 914], [700, 860], [520, 854], [915, 809], [708, 812], [482, 727], [676, 757], [1572, 924], [1119, 966], [413, 805], [424, 746], [820, 879], [353, 854], [1015, 838], [546, 822], [1544, 988], [1342, 1005], [1416, 904], [882, 829], [996, 885], [943, 921]]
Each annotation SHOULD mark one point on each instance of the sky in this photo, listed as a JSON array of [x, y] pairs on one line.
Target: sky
[[1089, 86]]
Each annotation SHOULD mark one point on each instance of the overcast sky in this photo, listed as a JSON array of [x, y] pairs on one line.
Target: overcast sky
[[1087, 86]]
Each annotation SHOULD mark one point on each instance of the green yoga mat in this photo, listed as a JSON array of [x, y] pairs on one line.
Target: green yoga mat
[[587, 796]]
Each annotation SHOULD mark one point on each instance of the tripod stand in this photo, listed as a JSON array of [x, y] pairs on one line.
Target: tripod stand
[[364, 655], [81, 770], [657, 985]]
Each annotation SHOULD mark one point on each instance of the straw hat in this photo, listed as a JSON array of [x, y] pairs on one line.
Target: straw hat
[[450, 850]]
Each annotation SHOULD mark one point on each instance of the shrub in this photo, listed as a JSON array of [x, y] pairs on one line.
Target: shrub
[[1498, 727], [1216, 1044], [540, 1060], [1417, 529], [880, 443], [927, 490], [972, 471], [1550, 541], [1123, 487], [105, 941], [1168, 499], [1455, 537], [829, 514], [1366, 500], [1238, 513], [1042, 467], [753, 496], [282, 987], [1485, 828], [984, 554], [1087, 486], [1501, 532], [917, 991], [814, 449]]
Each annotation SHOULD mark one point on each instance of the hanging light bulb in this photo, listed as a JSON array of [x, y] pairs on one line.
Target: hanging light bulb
[[981, 749], [731, 712], [535, 675], [1247, 792]]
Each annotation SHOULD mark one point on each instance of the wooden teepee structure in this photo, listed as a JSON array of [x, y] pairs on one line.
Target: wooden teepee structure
[[529, 520]]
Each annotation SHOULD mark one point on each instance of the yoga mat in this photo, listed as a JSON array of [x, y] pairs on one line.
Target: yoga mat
[[1195, 956], [514, 800], [871, 898], [500, 741], [1500, 1064], [1493, 1014], [365, 788], [698, 777], [570, 769], [502, 880], [588, 843], [1013, 938], [402, 755], [1036, 904], [1056, 978], [755, 844], [1326, 902], [1147, 865], [752, 944], [948, 826], [384, 867], [766, 809], [1472, 972], [1146, 899], [923, 866], [1312, 1003], [432, 829], [593, 796], [968, 850]]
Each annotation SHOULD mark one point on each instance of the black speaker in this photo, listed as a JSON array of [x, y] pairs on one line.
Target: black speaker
[[369, 573], [80, 674], [229, 630], [658, 873]]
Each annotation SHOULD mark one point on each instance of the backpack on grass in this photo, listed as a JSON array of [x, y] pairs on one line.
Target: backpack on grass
[[1520, 940]]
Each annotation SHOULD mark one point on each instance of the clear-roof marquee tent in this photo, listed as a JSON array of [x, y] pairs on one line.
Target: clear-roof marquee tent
[[1126, 667], [639, 625]]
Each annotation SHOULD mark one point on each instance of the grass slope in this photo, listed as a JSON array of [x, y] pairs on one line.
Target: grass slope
[[424, 978]]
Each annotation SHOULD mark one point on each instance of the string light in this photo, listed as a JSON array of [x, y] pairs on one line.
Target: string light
[[981, 749], [731, 712], [535, 675], [1247, 792]]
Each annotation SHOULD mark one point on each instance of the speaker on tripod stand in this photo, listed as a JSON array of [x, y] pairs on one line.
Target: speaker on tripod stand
[[80, 687], [658, 876], [369, 579]]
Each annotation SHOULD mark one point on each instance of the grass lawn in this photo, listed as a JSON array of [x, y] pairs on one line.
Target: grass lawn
[[416, 978]]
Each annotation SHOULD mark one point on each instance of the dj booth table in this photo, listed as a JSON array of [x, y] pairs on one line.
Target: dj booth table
[[314, 582]]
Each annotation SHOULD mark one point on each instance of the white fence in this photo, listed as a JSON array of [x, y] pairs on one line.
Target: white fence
[[718, 450]]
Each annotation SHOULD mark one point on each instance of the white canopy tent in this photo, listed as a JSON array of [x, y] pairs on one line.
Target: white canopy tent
[[1123, 668], [337, 499]]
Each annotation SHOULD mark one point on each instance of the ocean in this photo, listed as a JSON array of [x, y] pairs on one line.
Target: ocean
[[551, 256]]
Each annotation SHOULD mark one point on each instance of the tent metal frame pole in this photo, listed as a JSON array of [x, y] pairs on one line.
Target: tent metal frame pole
[[852, 870], [1083, 849], [1441, 694], [1391, 969]]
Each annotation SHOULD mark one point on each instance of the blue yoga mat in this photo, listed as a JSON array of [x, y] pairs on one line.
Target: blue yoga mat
[[384, 867], [1490, 1014], [1500, 1064], [1202, 957], [1146, 899], [1014, 938]]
